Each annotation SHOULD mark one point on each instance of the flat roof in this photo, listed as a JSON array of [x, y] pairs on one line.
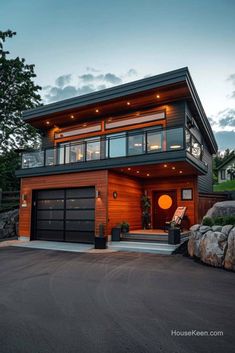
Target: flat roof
[[164, 79]]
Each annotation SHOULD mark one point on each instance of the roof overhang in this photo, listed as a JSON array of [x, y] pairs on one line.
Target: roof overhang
[[178, 82]]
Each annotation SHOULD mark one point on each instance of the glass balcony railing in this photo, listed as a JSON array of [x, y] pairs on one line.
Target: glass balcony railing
[[124, 144]]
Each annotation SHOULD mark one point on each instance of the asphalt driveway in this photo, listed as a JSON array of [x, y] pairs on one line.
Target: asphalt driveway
[[117, 302]]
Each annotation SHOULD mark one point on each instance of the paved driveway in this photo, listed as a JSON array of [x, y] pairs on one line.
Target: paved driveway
[[120, 302]]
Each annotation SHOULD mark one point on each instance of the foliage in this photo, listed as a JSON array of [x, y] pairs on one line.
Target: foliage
[[18, 92], [231, 171], [125, 226], [226, 186], [207, 221], [9, 162], [146, 203], [219, 221]]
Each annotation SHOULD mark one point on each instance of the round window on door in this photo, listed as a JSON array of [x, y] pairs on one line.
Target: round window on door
[[165, 202]]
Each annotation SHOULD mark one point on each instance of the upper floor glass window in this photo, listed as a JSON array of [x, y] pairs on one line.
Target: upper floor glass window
[[133, 120]]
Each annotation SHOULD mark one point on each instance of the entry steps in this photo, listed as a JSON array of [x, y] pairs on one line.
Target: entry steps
[[147, 247]]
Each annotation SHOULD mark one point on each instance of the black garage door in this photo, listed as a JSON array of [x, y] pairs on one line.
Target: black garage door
[[64, 215]]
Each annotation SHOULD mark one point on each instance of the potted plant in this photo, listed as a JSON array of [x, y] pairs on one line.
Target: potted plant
[[116, 233], [173, 233], [101, 239], [125, 227], [146, 205]]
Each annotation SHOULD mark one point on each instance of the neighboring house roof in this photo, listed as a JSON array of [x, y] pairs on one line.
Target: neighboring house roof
[[228, 160], [172, 77]]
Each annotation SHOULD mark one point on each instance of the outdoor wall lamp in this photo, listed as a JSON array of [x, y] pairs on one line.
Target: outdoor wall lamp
[[97, 194]]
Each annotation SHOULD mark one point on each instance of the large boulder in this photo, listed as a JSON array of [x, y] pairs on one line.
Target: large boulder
[[8, 224], [212, 248], [194, 244], [220, 209], [229, 261]]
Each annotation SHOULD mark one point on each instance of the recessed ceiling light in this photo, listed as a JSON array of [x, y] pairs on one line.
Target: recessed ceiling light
[[72, 116], [128, 103], [180, 172], [165, 165], [84, 125], [148, 174], [48, 122], [97, 110], [173, 168], [137, 171], [129, 168], [158, 96]]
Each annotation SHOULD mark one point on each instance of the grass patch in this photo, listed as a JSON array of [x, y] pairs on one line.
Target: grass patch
[[226, 186]]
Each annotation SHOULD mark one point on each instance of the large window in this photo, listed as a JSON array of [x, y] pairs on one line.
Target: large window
[[133, 120], [92, 149], [116, 145], [136, 143]]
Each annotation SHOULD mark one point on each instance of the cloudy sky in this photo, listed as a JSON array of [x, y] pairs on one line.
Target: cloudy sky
[[79, 46]]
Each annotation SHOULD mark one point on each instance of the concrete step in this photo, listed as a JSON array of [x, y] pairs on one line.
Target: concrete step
[[157, 248]]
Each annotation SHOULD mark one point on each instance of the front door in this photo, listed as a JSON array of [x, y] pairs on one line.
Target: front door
[[165, 204]]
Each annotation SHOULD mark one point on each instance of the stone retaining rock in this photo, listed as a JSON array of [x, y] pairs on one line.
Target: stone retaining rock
[[220, 209], [9, 224], [215, 248]]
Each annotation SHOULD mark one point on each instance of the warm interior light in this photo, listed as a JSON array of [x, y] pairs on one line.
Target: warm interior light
[[165, 165], [165, 202], [155, 147], [97, 152], [175, 146], [137, 144]]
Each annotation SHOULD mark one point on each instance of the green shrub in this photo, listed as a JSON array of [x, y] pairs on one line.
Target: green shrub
[[207, 221], [218, 221], [229, 220]]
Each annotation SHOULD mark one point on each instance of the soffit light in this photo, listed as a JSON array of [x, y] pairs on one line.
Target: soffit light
[[137, 171], [129, 168], [148, 174], [128, 103], [157, 96], [97, 110], [173, 168], [175, 146], [165, 165], [48, 122], [72, 116], [180, 171]]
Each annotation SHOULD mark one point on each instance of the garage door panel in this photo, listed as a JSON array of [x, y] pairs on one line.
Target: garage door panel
[[50, 225], [50, 235], [50, 214], [80, 214], [80, 237], [50, 194], [50, 204], [80, 225], [65, 215], [80, 193], [80, 203]]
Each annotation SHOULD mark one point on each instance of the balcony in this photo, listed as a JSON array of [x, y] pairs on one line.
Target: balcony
[[152, 144]]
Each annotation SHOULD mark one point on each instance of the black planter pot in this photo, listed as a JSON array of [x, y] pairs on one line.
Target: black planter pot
[[100, 242], [173, 236], [116, 234]]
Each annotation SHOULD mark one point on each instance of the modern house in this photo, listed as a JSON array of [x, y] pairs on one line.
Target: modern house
[[225, 169], [102, 151]]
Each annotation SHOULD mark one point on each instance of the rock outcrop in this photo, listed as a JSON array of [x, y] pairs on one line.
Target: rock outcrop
[[213, 246], [220, 209], [9, 224]]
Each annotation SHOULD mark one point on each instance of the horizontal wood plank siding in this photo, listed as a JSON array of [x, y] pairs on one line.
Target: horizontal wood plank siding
[[175, 114], [127, 205], [84, 179]]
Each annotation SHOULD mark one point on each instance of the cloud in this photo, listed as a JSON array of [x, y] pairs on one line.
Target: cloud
[[68, 86], [225, 139], [231, 78], [109, 78], [226, 118], [63, 80]]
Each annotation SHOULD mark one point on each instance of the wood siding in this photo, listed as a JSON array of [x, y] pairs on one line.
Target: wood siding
[[127, 205], [74, 180], [207, 200], [177, 184], [175, 114]]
